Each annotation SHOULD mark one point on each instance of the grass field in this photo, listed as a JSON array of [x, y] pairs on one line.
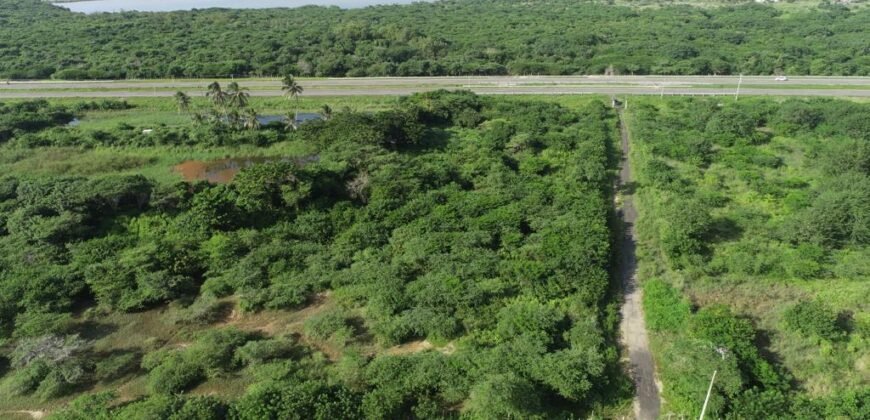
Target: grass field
[[745, 263]]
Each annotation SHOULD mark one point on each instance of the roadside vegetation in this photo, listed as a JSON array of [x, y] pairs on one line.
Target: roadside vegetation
[[447, 256], [453, 37], [753, 248]]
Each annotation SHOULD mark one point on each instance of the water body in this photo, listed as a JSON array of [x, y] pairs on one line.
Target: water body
[[222, 171], [301, 117], [98, 6]]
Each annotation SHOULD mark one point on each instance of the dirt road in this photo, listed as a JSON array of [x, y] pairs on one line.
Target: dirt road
[[633, 326]]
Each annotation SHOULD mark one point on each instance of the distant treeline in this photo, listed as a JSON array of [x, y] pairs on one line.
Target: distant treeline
[[452, 37]]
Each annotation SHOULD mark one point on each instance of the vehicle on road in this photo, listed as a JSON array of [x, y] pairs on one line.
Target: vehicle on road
[[781, 78]]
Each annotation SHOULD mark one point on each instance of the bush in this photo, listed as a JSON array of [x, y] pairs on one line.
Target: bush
[[174, 374], [214, 350], [328, 324], [307, 400], [666, 309], [26, 380], [56, 384], [257, 352], [36, 323], [115, 366], [504, 396], [86, 407], [205, 310], [813, 319], [201, 408]]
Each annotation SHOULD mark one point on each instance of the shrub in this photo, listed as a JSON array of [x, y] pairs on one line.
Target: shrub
[[175, 374], [665, 309], [257, 352], [37, 323], [57, 383], [806, 261], [27, 379], [327, 324], [86, 407], [214, 349], [116, 366], [203, 311], [201, 408], [504, 396], [812, 318], [307, 400]]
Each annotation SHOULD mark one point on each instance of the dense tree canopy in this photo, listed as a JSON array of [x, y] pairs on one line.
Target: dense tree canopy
[[449, 37], [477, 224]]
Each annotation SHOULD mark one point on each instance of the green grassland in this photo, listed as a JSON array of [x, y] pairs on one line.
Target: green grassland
[[759, 206]]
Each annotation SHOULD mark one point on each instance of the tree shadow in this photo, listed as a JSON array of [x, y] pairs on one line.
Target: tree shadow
[[93, 330], [846, 321], [361, 333], [628, 188], [434, 139], [122, 368], [763, 342], [723, 229]]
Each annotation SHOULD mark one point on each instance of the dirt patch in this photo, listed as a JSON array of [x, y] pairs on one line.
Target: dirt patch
[[221, 171], [409, 348], [418, 346], [273, 323], [33, 414]]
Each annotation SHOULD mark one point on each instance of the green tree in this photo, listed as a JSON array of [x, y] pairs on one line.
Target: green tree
[[292, 89], [218, 97], [182, 101], [251, 120], [237, 96]]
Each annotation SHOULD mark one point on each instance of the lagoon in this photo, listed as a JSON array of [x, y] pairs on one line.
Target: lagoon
[[98, 6]]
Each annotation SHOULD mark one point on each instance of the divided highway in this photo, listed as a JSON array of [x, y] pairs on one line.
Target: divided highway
[[542, 85]]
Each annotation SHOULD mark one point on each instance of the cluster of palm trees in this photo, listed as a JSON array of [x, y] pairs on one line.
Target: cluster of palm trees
[[230, 106]]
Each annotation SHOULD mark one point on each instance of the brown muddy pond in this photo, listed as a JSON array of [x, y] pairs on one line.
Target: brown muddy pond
[[222, 171]]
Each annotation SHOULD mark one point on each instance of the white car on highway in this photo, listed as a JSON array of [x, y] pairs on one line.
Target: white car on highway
[[781, 79]]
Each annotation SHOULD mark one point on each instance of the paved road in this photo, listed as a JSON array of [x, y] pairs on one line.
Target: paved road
[[552, 85], [632, 325]]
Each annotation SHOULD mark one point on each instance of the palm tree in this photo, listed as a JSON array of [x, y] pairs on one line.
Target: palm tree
[[326, 112], [290, 121], [183, 101], [234, 119], [251, 120], [292, 90], [218, 96], [237, 96]]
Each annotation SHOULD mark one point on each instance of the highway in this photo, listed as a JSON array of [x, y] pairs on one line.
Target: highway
[[540, 85]]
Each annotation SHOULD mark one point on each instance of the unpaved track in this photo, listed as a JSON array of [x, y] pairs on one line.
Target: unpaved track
[[632, 325]]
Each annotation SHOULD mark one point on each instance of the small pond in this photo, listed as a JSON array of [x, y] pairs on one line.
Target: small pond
[[300, 118], [222, 171]]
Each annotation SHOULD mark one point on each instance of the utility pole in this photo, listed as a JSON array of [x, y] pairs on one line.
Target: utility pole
[[739, 82], [706, 400]]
